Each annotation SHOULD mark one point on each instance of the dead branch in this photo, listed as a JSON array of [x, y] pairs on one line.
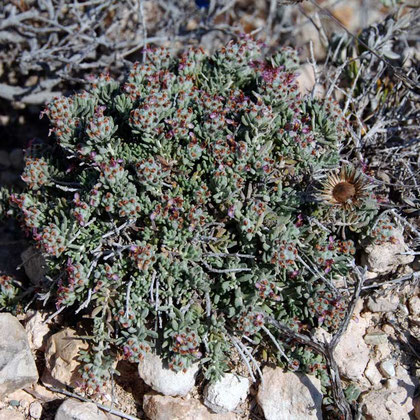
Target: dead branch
[[327, 349], [101, 406]]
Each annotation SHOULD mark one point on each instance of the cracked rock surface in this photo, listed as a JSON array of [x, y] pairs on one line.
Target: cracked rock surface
[[17, 365]]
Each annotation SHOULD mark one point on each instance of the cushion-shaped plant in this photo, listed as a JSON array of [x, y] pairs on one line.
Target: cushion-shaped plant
[[183, 206]]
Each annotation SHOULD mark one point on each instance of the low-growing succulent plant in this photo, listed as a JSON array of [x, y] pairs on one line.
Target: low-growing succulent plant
[[184, 207], [8, 291]]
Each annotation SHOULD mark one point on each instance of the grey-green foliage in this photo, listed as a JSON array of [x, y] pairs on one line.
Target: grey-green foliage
[[175, 208], [381, 38]]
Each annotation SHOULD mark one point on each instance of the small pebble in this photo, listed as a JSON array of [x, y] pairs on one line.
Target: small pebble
[[388, 329], [35, 410], [403, 309], [414, 305], [24, 404], [387, 368], [391, 383], [375, 339]]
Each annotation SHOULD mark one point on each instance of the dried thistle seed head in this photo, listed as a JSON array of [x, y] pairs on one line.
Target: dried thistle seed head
[[345, 189], [343, 192]]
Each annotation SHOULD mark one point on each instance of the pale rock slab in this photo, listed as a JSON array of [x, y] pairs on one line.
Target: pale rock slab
[[376, 338], [352, 353], [370, 275], [160, 407], [386, 257], [8, 414], [306, 81], [387, 303], [383, 351], [288, 395], [226, 394], [414, 305], [165, 380], [17, 365], [72, 409], [22, 397], [403, 310], [389, 330], [307, 34], [383, 404], [394, 401], [61, 354], [37, 331], [391, 383], [34, 265], [387, 368], [372, 373], [404, 379], [389, 404], [35, 410]]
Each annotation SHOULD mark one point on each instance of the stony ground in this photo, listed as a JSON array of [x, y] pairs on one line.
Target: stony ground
[[379, 351]]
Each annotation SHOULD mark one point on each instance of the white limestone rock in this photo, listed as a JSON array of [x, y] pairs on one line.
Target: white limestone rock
[[227, 393], [22, 399], [17, 365], [35, 410], [62, 351], [389, 403], [306, 81], [386, 257], [11, 414], [414, 305], [161, 407], [352, 353], [387, 303], [372, 373], [288, 395], [376, 338], [37, 331], [72, 409], [394, 400], [165, 380], [387, 368]]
